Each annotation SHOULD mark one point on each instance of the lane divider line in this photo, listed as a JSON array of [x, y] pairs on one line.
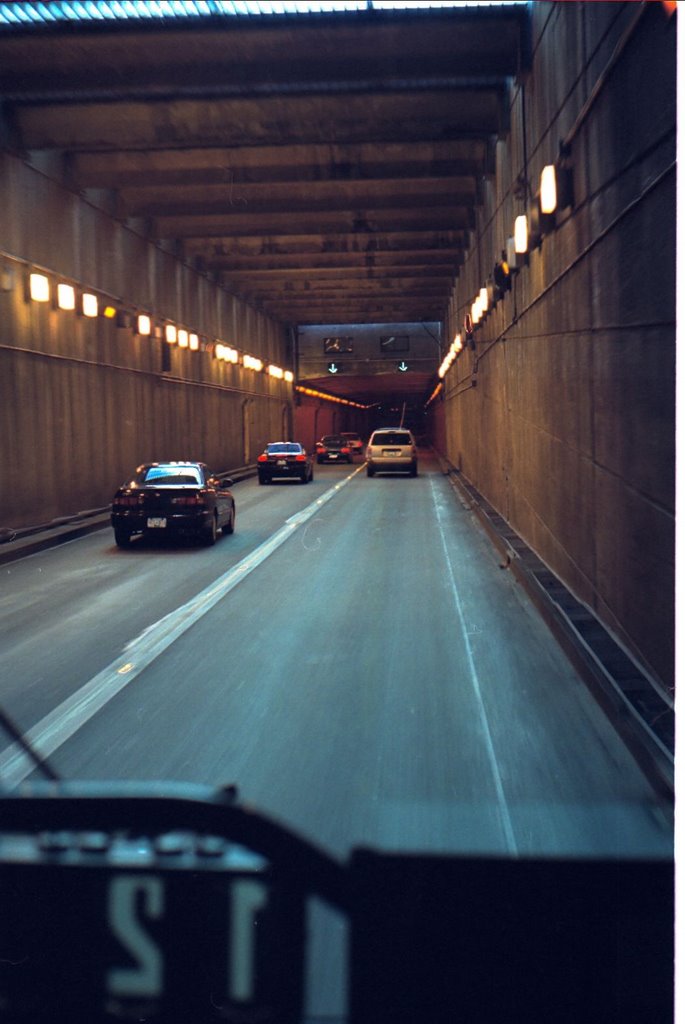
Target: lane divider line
[[68, 717], [505, 816]]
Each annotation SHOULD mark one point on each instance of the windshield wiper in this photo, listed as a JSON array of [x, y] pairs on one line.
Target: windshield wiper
[[33, 755]]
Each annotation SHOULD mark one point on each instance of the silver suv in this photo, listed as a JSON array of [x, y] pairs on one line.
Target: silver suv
[[391, 449]]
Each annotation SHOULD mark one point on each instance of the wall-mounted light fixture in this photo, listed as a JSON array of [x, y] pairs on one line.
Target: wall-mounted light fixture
[[6, 279], [89, 304], [143, 325], [193, 342], [289, 376], [521, 234], [39, 288], [556, 188], [548, 189], [225, 353], [66, 296], [252, 363], [501, 275], [109, 312], [170, 334], [182, 337]]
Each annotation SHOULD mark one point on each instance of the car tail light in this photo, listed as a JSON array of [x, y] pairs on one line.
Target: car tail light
[[262, 458], [300, 458], [125, 501], [345, 451]]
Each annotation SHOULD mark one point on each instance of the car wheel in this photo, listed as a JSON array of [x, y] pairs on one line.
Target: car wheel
[[122, 538], [305, 477], [370, 471], [230, 525], [262, 480], [413, 471], [210, 533]]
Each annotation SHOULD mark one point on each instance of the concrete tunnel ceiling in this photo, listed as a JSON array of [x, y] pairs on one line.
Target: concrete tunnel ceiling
[[324, 166]]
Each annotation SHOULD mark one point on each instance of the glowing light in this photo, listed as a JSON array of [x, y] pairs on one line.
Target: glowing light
[[89, 304], [289, 376], [275, 371], [548, 189], [170, 334], [39, 288], [66, 296], [194, 342], [225, 353], [144, 324], [182, 339], [252, 363], [109, 312], [521, 234]]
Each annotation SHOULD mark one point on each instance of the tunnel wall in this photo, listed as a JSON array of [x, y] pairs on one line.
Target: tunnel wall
[[83, 401], [563, 415]]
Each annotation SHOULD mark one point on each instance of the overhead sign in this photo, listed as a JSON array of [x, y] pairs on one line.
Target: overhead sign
[[403, 366], [334, 368]]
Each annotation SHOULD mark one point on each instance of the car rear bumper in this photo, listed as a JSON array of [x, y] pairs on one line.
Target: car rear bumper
[[283, 474], [396, 464], [144, 522]]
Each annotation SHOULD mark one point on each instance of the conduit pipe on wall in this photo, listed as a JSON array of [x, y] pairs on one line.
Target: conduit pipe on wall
[[604, 75]]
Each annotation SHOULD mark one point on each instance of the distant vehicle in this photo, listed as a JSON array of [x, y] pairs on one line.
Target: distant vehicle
[[354, 442], [285, 459], [333, 448], [391, 449], [173, 498]]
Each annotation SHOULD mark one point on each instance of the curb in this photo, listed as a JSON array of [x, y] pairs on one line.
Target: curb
[[640, 710]]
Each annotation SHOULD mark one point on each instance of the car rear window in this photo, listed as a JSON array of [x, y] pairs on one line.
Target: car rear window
[[288, 446], [391, 438], [173, 476]]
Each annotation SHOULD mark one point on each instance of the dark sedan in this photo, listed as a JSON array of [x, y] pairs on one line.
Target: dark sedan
[[173, 499], [285, 459], [333, 448]]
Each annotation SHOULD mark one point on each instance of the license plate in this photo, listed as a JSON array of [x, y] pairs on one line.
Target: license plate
[[282, 462], [390, 451], [332, 455], [156, 522]]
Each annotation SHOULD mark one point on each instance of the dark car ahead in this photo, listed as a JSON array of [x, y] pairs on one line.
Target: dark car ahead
[[333, 448], [173, 499], [285, 459]]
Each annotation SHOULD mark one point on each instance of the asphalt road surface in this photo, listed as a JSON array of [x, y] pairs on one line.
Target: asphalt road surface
[[354, 658]]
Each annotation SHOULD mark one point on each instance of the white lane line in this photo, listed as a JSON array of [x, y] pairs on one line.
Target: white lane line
[[510, 838], [69, 716]]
